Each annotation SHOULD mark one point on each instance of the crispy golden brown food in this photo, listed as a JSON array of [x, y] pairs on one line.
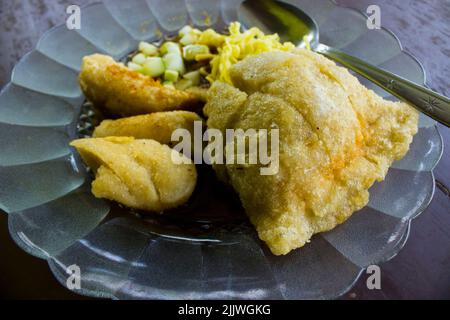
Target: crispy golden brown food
[[124, 92], [201, 93], [336, 139], [137, 173], [157, 126]]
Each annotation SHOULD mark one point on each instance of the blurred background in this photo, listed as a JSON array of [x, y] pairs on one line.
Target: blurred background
[[420, 271]]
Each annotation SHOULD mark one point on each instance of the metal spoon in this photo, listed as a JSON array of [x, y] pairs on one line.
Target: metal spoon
[[292, 24]]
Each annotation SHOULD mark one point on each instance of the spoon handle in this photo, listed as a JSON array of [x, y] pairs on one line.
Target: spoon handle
[[427, 101]]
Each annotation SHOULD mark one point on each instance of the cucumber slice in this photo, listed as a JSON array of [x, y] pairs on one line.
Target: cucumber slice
[[134, 66], [148, 48], [173, 61], [194, 76], [184, 84], [191, 51], [139, 59], [188, 39], [204, 56], [171, 75], [153, 67], [170, 47], [168, 84], [185, 30]]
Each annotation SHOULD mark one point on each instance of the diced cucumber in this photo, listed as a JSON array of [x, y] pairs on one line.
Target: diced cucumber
[[194, 76], [191, 51], [204, 56], [153, 67], [134, 66], [170, 47], [185, 30], [148, 48], [171, 75], [188, 39], [139, 59], [173, 61], [168, 84], [184, 84]]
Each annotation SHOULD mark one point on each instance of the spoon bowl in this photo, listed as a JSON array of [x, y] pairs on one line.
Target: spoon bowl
[[288, 21]]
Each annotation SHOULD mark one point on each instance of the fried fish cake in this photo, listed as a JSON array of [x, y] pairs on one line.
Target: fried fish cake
[[157, 126], [137, 173], [124, 92], [336, 138]]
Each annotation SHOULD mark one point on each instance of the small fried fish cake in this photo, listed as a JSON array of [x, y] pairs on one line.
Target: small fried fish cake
[[137, 173], [123, 92], [157, 126]]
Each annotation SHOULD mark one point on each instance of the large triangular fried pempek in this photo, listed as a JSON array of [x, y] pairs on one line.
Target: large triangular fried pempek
[[336, 139]]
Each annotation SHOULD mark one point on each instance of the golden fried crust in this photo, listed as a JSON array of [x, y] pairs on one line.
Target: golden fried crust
[[224, 106], [157, 126], [137, 173], [336, 139], [124, 92]]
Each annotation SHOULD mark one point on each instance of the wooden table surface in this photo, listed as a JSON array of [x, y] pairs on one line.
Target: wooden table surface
[[420, 271]]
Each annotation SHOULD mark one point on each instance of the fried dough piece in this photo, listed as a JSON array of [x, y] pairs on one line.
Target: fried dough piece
[[157, 126], [200, 92], [336, 139], [137, 173], [124, 92]]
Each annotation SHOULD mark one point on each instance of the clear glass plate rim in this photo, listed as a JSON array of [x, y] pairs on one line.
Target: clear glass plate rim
[[92, 293]]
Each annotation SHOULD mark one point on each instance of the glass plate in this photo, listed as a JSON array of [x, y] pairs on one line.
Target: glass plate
[[44, 186]]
